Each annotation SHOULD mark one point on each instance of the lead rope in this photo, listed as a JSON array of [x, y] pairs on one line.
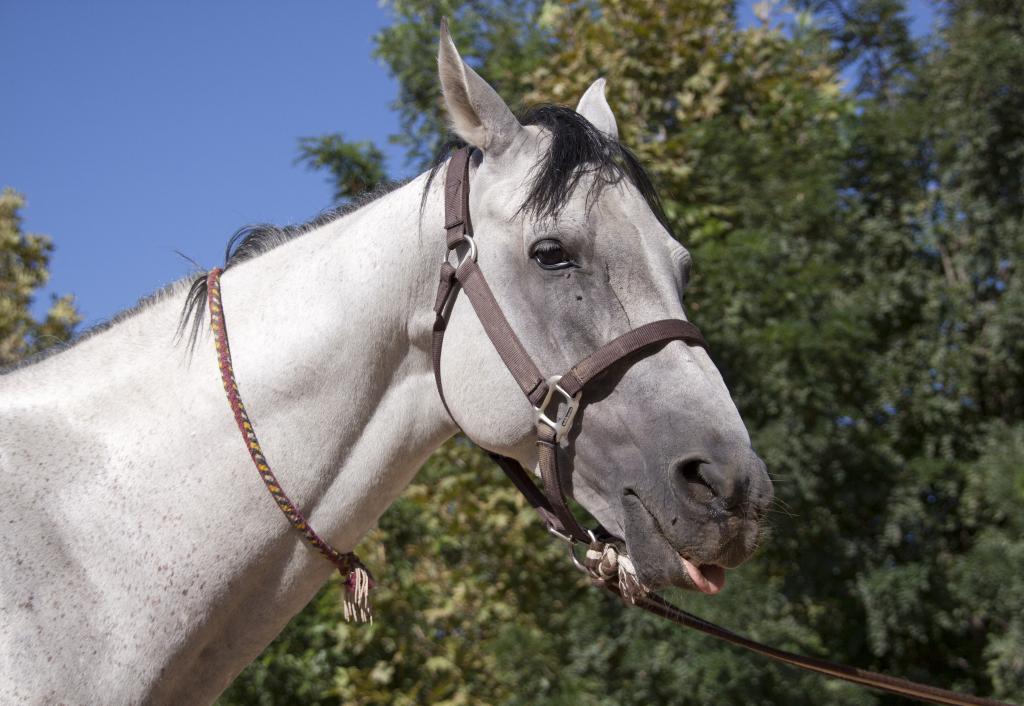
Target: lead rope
[[609, 569], [358, 581]]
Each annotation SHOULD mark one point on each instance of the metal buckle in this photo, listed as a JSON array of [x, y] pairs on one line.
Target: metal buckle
[[470, 255], [572, 543], [562, 424], [577, 564], [561, 535]]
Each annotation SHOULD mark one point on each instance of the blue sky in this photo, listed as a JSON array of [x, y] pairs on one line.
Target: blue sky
[[139, 128]]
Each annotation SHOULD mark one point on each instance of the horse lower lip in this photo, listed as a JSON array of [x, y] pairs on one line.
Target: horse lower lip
[[707, 578]]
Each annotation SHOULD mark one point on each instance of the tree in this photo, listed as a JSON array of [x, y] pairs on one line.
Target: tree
[[870, 36], [508, 37], [24, 258], [355, 167], [955, 382], [857, 273]]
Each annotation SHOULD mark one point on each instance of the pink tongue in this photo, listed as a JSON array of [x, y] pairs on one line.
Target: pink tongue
[[708, 578]]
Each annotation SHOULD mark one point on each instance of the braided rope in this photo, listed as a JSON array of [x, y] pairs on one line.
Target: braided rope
[[357, 578]]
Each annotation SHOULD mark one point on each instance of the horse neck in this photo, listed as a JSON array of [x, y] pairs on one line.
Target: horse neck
[[330, 335]]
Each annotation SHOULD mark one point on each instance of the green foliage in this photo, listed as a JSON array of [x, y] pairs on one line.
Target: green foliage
[[506, 38], [467, 573], [858, 258], [24, 258], [355, 167], [871, 35]]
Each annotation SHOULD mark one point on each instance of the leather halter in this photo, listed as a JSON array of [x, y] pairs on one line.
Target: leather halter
[[542, 392], [601, 557], [546, 394]]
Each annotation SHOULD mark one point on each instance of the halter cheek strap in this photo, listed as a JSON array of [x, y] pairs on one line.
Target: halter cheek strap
[[557, 395]]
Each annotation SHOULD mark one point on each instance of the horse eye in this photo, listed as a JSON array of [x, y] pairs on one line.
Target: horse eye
[[550, 255]]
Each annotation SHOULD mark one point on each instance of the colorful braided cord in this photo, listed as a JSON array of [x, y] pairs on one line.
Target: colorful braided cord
[[356, 577]]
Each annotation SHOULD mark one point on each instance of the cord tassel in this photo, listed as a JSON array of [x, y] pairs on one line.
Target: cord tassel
[[356, 602]]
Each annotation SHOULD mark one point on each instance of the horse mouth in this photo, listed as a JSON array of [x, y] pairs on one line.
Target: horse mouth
[[659, 563], [706, 578]]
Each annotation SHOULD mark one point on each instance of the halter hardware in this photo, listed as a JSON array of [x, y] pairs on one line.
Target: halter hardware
[[571, 544], [471, 255], [562, 423], [567, 538]]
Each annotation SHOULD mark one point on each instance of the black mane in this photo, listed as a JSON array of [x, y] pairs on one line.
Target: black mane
[[253, 240]]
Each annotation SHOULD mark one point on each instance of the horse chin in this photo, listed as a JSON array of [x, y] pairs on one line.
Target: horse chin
[[658, 564]]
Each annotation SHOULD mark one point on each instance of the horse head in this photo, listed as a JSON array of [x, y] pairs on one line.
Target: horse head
[[576, 249]]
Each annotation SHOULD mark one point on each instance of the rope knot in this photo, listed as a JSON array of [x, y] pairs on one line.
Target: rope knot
[[607, 566]]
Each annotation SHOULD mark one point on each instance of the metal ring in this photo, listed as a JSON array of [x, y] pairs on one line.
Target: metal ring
[[470, 255], [568, 539], [576, 562]]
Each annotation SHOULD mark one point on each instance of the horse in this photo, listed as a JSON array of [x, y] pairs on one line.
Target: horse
[[143, 562]]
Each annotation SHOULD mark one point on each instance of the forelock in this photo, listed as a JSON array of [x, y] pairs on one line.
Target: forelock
[[574, 151], [578, 150]]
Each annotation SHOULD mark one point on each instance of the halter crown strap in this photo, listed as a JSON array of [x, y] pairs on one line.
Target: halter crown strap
[[456, 199]]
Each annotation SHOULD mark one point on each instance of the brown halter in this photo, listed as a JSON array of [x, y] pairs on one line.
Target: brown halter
[[602, 563], [545, 393], [566, 389]]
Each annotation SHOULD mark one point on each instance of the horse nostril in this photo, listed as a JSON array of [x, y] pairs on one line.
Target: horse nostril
[[696, 482], [721, 486], [690, 470]]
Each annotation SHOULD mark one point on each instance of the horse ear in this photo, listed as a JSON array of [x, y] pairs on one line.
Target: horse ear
[[477, 113], [594, 107]]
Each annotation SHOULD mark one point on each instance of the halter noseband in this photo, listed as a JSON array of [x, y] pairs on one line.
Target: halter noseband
[[544, 393]]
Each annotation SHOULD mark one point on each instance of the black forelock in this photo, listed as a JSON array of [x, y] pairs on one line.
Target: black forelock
[[577, 149]]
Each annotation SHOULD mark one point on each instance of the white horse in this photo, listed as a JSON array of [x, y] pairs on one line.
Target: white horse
[[142, 560]]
